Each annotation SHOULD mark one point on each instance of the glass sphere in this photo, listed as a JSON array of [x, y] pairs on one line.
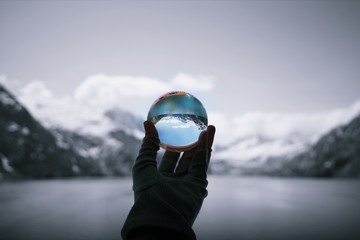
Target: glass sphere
[[179, 118]]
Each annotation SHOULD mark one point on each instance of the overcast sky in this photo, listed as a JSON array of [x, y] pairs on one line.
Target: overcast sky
[[236, 56]]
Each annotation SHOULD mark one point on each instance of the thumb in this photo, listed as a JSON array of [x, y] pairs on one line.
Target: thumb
[[202, 154], [145, 168], [150, 130]]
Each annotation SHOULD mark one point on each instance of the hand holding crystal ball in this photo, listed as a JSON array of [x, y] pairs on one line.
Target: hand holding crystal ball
[[179, 118]]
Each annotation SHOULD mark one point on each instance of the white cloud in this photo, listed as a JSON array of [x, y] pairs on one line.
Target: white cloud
[[253, 148], [64, 112], [83, 111], [104, 86], [37, 90], [3, 79], [259, 135], [307, 126], [38, 99], [92, 97], [131, 93], [13, 85], [136, 94], [193, 83]]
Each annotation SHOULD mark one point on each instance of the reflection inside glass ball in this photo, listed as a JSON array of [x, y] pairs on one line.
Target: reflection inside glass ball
[[179, 118]]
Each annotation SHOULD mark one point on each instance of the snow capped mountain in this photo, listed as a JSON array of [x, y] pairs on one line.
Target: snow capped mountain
[[75, 115], [252, 155], [108, 136], [259, 149], [262, 142], [27, 149], [336, 154], [102, 140], [125, 121]]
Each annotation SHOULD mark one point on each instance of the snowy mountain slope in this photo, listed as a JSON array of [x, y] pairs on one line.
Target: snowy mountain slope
[[261, 143], [112, 139], [109, 136], [27, 149], [258, 148], [114, 155], [335, 154], [255, 154], [114, 148], [108, 139]]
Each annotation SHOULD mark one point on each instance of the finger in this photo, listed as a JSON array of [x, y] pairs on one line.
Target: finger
[[145, 168], [168, 162], [184, 162], [201, 157], [150, 145], [207, 142], [150, 129], [211, 134]]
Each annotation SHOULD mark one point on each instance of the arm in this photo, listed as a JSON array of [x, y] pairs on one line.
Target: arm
[[167, 200]]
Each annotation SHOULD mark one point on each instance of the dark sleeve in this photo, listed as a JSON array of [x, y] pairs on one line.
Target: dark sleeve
[[159, 212]]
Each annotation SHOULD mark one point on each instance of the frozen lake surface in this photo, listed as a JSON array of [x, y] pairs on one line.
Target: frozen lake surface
[[236, 208]]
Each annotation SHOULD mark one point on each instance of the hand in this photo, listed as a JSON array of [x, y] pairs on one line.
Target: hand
[[187, 182], [169, 198]]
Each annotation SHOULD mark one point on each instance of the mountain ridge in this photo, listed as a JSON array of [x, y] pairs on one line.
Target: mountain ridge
[[30, 150], [335, 154], [107, 144]]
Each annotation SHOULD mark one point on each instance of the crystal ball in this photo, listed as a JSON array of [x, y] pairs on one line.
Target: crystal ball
[[179, 118]]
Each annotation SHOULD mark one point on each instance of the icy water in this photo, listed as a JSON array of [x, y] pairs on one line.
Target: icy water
[[236, 208]]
